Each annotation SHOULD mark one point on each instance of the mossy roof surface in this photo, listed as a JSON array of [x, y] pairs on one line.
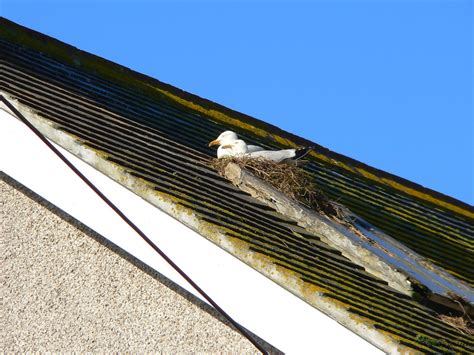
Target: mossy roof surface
[[160, 134]]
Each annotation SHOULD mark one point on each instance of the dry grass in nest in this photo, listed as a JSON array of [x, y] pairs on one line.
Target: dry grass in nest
[[463, 324], [294, 182]]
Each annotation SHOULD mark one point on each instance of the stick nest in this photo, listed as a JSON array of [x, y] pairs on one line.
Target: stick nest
[[294, 182], [463, 324], [463, 321]]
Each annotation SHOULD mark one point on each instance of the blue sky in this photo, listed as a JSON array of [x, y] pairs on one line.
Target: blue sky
[[389, 83]]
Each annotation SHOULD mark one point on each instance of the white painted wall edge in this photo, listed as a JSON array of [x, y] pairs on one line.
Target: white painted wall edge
[[252, 299]]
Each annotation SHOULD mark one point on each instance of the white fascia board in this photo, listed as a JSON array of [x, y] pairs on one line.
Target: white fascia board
[[252, 299]]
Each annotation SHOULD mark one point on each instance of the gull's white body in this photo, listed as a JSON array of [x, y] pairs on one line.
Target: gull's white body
[[233, 149], [231, 146]]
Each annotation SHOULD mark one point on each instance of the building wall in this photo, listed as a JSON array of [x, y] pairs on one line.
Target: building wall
[[66, 288]]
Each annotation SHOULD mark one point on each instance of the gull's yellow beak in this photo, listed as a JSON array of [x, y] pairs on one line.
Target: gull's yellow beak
[[214, 142]]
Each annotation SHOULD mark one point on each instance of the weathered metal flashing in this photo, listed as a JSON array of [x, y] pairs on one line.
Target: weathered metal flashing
[[378, 253]]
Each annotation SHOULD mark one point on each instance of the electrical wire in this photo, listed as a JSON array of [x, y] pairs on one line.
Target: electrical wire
[[241, 329]]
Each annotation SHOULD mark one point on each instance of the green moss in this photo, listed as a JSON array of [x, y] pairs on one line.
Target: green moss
[[441, 345], [224, 118]]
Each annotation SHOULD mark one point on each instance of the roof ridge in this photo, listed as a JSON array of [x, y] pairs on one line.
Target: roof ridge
[[117, 73]]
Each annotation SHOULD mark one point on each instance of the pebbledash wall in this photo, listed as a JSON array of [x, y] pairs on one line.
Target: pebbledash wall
[[66, 288]]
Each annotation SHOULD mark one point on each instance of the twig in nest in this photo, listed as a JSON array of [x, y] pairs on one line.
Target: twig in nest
[[462, 323], [288, 179]]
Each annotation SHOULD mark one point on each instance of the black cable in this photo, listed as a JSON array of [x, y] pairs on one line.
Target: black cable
[[241, 329]]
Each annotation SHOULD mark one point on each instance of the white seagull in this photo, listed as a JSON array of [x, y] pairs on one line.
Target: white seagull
[[230, 145]]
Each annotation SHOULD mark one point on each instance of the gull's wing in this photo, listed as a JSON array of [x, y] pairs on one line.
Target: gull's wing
[[280, 155], [254, 148], [275, 155]]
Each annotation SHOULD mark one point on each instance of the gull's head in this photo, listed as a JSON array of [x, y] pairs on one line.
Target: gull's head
[[224, 138]]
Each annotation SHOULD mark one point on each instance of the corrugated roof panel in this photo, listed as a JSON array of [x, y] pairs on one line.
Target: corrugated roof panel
[[445, 239]]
